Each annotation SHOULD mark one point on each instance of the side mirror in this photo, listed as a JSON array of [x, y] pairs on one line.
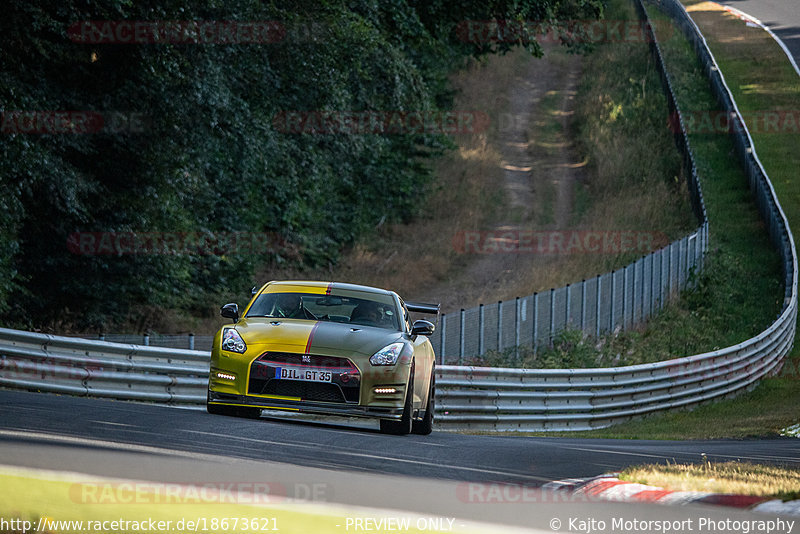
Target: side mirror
[[230, 311], [422, 328]]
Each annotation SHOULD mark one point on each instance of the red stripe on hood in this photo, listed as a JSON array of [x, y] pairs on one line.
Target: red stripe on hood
[[311, 336]]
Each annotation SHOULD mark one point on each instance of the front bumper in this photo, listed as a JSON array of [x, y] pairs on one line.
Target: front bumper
[[355, 388], [305, 406]]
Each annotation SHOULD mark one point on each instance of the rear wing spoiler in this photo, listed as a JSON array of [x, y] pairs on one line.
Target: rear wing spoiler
[[421, 307]]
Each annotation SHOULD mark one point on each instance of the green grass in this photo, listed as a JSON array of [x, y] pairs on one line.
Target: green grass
[[762, 80], [735, 478]]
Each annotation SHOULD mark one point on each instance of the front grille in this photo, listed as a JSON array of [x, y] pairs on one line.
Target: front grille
[[311, 391], [289, 358], [263, 382]]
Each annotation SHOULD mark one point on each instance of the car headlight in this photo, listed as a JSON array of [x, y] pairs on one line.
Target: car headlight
[[387, 355], [232, 341]]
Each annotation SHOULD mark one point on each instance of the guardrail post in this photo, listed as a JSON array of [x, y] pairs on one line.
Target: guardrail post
[[552, 314], [191, 341], [705, 245], [611, 317], [624, 297], [516, 328], [461, 340], [597, 305], [652, 281], [535, 321], [583, 305], [481, 333], [669, 272], [443, 336], [643, 283], [102, 336], [146, 340], [633, 296], [567, 306], [661, 280], [499, 326]]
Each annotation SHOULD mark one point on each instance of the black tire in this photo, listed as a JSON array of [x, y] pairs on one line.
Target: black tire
[[402, 426], [424, 426]]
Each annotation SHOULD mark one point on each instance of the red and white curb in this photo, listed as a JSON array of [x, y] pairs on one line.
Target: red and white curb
[[611, 488]]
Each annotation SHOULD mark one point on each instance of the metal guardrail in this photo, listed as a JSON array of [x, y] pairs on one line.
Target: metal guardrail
[[174, 341], [470, 397], [58, 364]]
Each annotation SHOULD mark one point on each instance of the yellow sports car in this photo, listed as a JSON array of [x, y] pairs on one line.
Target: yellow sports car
[[326, 348]]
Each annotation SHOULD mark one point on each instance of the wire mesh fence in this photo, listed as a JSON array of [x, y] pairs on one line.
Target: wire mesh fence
[[621, 299]]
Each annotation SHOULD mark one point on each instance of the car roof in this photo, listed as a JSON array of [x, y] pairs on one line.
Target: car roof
[[332, 285]]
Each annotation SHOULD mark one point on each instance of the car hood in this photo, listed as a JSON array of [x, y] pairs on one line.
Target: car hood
[[316, 337]]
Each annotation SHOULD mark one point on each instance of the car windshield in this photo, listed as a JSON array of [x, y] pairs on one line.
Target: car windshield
[[368, 310]]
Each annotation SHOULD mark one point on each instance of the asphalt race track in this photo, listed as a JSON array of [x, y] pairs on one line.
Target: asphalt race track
[[443, 473], [441, 455], [780, 16]]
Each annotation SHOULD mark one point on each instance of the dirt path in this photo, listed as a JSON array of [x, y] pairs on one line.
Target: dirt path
[[541, 169], [535, 156], [564, 167]]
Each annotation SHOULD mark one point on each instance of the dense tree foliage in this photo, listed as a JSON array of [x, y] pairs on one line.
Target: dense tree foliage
[[191, 140]]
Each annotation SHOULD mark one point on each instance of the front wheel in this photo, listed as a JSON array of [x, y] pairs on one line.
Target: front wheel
[[402, 426]]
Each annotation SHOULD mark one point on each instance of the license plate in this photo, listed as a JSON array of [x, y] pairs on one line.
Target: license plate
[[302, 373]]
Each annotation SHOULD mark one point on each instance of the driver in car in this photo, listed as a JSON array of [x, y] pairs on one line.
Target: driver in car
[[367, 313], [290, 306]]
